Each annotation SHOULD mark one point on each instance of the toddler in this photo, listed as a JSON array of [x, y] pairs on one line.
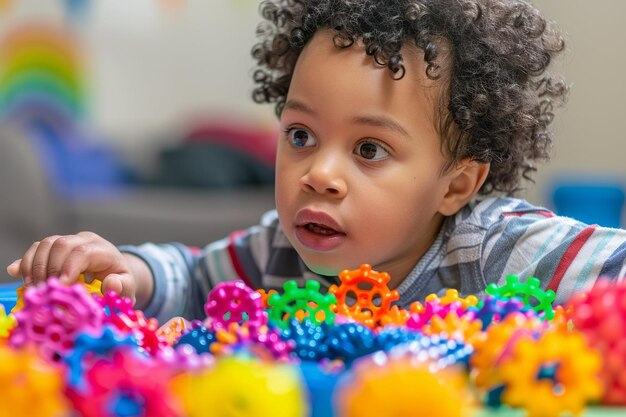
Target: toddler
[[407, 127]]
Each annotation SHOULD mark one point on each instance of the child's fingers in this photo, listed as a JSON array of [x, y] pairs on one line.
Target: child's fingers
[[27, 263], [61, 249], [119, 284], [14, 268], [39, 265]]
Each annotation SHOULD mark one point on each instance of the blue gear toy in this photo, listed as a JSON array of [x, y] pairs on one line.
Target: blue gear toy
[[102, 344], [309, 338], [349, 341], [199, 338]]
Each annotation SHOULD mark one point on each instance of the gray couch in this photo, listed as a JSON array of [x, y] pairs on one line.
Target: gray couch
[[30, 208]]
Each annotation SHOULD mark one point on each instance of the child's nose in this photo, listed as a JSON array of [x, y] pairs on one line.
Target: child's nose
[[325, 176]]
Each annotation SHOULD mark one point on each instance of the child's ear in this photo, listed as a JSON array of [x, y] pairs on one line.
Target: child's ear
[[465, 181]]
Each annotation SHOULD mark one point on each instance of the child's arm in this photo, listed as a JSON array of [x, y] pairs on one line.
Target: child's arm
[[68, 256]]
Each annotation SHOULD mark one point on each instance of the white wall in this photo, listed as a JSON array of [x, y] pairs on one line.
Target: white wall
[[590, 137]]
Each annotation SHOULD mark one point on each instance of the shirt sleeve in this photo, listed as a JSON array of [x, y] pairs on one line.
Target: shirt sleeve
[[567, 256], [184, 276]]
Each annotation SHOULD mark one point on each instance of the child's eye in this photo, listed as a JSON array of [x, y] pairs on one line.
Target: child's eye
[[371, 151], [300, 138]]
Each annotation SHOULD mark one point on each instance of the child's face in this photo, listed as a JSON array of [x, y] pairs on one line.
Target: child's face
[[358, 171]]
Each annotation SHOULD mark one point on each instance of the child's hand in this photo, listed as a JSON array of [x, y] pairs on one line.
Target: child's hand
[[68, 256]]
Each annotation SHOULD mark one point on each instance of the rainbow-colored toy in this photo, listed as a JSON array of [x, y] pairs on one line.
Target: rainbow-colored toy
[[304, 353]]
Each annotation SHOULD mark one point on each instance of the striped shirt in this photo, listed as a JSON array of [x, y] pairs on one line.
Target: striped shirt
[[482, 244]]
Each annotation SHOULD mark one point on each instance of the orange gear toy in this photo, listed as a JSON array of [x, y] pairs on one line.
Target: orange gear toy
[[553, 375], [396, 316], [30, 385], [494, 345], [463, 328], [366, 310], [385, 386]]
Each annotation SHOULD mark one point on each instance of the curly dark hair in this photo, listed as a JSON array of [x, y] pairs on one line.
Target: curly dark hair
[[497, 102]]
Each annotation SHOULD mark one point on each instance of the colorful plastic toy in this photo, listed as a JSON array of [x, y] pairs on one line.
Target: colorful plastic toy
[[172, 330], [386, 386], [127, 384], [600, 315], [452, 296], [7, 323], [350, 341], [243, 386], [529, 292], [556, 374], [307, 301], [309, 339], [53, 315], [234, 302], [120, 314], [200, 338], [87, 348], [373, 297], [30, 385]]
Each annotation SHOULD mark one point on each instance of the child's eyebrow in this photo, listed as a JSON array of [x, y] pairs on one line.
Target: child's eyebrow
[[381, 121], [370, 120]]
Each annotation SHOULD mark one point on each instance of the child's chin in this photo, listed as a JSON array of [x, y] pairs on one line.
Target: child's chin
[[324, 269]]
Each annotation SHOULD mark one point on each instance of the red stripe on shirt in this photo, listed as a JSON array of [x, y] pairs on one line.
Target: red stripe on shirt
[[234, 259], [569, 256], [544, 213]]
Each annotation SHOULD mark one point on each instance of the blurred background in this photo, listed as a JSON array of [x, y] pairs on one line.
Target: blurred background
[[133, 119]]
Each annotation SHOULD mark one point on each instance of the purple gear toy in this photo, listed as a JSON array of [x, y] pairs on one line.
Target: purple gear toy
[[53, 315], [434, 308], [234, 302]]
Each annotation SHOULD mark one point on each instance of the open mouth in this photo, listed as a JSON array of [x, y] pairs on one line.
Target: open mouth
[[320, 229]]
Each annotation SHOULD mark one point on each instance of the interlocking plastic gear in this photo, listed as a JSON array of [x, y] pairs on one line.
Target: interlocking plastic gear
[[173, 329], [309, 339], [53, 315], [495, 347], [127, 384], [243, 386], [307, 301], [371, 303], [234, 302], [554, 375], [452, 296], [30, 385], [492, 309], [529, 292], [7, 323], [350, 341], [384, 385], [200, 338], [120, 313], [600, 315], [104, 342], [465, 328], [93, 287]]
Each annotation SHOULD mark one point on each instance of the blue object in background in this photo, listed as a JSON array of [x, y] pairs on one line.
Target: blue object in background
[[590, 201], [8, 296]]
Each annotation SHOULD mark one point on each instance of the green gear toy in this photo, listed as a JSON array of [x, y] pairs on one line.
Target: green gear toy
[[526, 291], [299, 303]]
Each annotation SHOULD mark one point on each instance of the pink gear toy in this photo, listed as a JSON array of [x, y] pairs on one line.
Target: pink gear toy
[[53, 315], [234, 302], [126, 385], [119, 313]]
